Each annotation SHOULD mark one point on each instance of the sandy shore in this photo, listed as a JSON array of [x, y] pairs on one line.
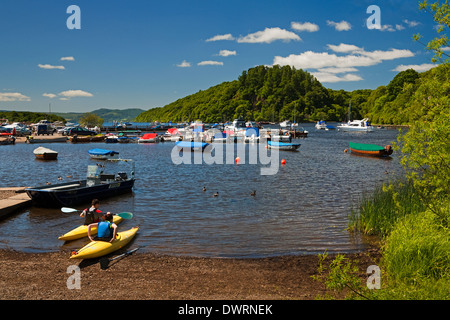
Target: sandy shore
[[148, 276]]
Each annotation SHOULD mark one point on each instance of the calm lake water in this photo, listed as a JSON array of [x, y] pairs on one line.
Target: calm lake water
[[304, 208]]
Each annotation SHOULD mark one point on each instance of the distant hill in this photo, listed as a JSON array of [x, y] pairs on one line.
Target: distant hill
[[263, 94], [108, 115], [278, 93]]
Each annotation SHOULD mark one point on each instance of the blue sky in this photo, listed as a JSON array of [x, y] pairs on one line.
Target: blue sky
[[144, 53]]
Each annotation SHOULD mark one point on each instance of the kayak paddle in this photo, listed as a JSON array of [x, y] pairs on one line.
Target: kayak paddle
[[123, 215], [104, 262]]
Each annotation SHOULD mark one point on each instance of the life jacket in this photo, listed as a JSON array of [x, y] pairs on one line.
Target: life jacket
[[91, 215], [104, 229]]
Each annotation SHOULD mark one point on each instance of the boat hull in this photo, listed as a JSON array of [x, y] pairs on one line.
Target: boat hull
[[47, 156], [370, 150], [283, 146], [193, 146], [76, 192], [81, 231], [96, 249]]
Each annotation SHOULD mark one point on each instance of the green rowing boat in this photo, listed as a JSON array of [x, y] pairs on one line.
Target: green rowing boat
[[370, 149]]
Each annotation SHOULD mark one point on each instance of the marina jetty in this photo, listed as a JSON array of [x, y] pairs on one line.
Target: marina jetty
[[13, 199]]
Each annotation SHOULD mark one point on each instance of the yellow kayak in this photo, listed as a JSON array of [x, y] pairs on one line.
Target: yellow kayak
[[81, 231], [97, 249]]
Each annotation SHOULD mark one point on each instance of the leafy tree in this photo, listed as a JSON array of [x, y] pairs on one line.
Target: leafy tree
[[91, 120]]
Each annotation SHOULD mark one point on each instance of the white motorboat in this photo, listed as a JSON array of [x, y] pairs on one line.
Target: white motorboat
[[285, 124], [322, 125], [356, 125]]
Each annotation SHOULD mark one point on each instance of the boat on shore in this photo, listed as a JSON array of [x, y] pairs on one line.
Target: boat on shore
[[283, 145], [372, 150], [31, 139], [103, 154], [5, 140], [96, 249], [86, 139], [97, 185], [42, 153]]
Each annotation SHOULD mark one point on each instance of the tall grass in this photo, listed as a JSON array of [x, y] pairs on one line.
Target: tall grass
[[379, 211], [416, 241]]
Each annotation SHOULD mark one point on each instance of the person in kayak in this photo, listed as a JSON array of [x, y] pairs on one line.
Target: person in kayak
[[107, 229], [92, 214]]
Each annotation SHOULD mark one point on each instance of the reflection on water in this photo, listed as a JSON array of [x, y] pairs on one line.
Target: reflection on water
[[304, 208]]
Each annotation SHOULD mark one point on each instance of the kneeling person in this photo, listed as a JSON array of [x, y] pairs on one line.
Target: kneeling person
[[107, 229]]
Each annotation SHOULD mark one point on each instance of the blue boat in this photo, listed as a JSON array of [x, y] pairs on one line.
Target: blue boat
[[103, 154], [194, 146], [322, 125], [283, 145]]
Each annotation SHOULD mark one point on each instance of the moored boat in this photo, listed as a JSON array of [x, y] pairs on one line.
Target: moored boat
[[370, 149], [283, 146], [97, 249], [191, 145], [42, 153], [149, 138], [96, 186], [322, 125], [103, 154], [356, 125]]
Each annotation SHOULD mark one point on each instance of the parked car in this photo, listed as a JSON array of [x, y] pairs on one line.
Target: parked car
[[44, 129], [21, 130], [81, 132]]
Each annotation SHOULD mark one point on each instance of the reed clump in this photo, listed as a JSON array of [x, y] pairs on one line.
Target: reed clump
[[379, 211]]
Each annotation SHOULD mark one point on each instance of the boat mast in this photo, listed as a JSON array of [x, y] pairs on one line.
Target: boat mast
[[350, 111]]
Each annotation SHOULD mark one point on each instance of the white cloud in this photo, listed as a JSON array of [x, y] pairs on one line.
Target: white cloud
[[50, 67], [340, 26], [305, 26], [13, 96], [184, 64], [337, 70], [380, 55], [269, 35], [399, 27], [75, 93], [330, 65], [49, 95], [210, 63], [387, 27], [445, 49], [221, 37], [226, 53], [343, 48], [411, 24], [418, 67], [318, 60], [331, 77], [67, 59]]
